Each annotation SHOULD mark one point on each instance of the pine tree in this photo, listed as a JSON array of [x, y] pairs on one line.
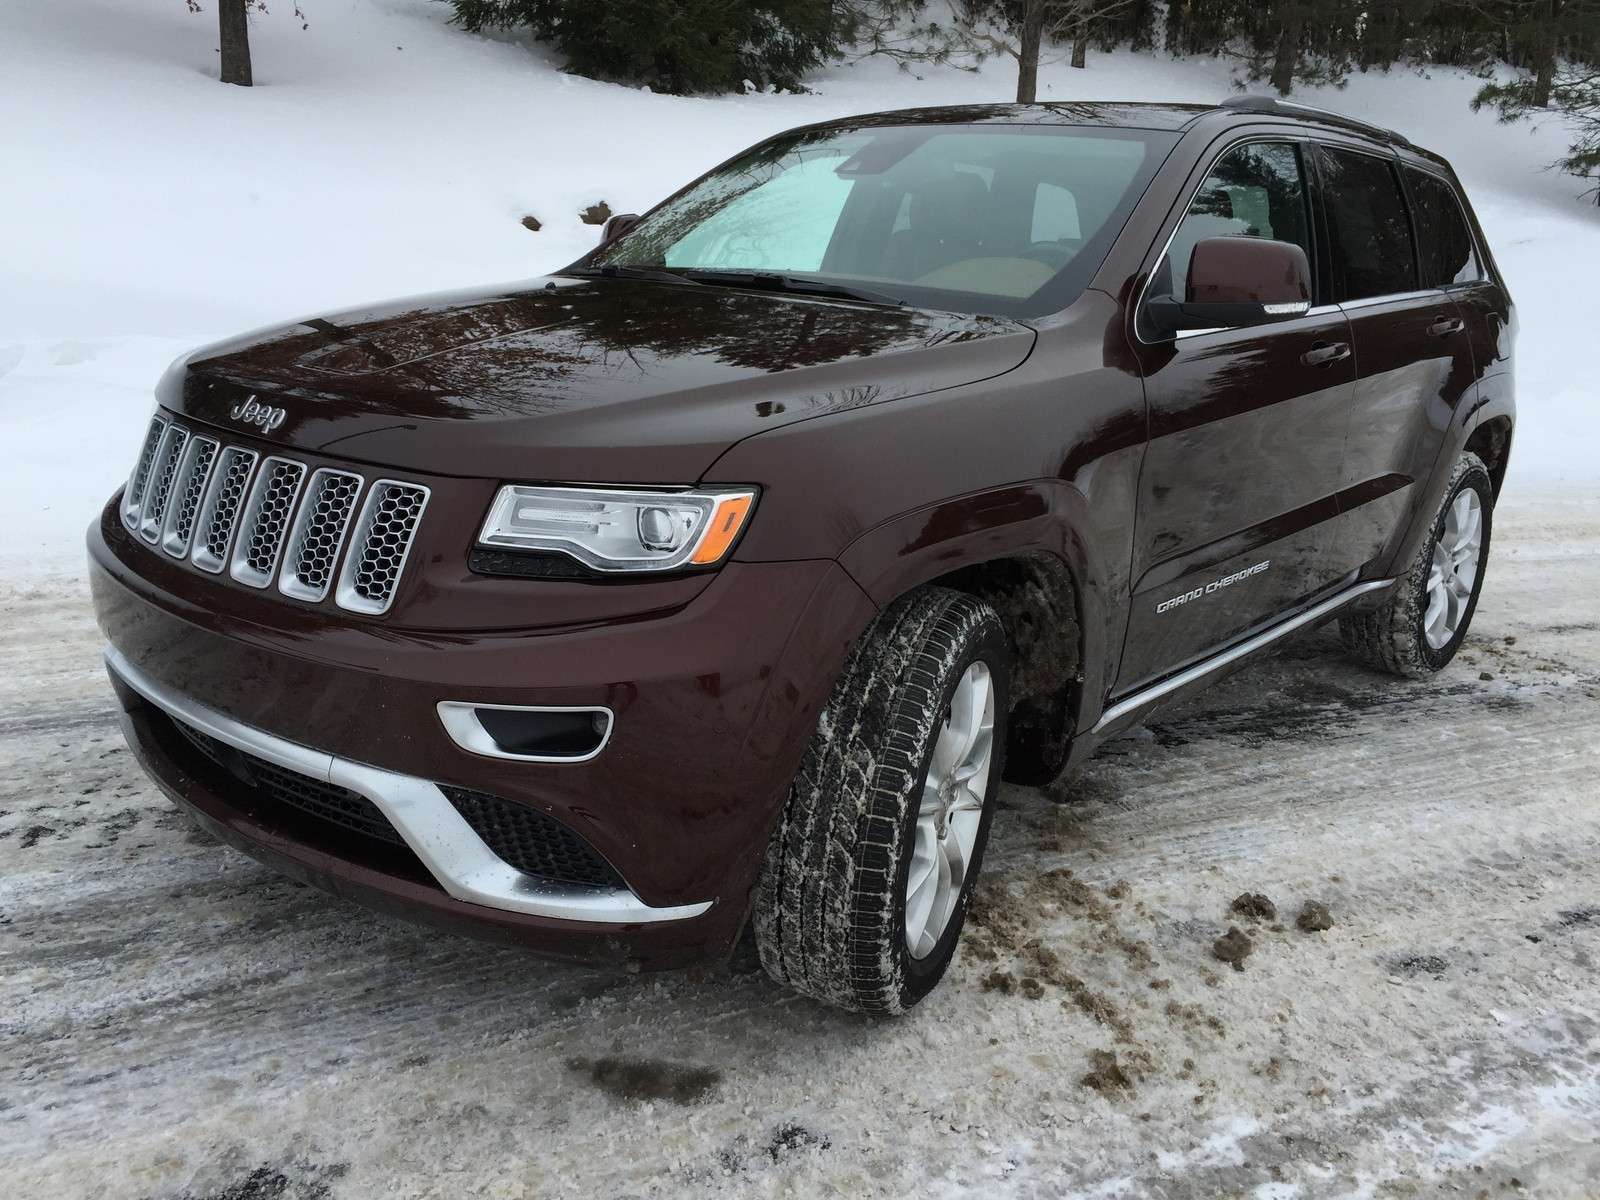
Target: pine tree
[[1554, 48], [678, 45]]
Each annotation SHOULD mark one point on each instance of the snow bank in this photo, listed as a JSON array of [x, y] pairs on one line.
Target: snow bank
[[147, 208]]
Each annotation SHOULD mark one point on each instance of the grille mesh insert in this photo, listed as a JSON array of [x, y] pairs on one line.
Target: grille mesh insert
[[159, 489], [325, 801], [319, 533], [211, 552], [531, 841], [228, 508], [193, 476], [266, 521], [388, 525], [133, 498]]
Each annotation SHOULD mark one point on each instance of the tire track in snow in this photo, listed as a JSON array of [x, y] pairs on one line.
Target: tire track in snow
[[177, 1019]]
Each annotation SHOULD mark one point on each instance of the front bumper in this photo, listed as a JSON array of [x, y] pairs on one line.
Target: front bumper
[[714, 703]]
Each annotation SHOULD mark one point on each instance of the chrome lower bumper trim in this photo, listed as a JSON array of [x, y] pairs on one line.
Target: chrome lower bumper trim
[[1149, 695], [448, 846]]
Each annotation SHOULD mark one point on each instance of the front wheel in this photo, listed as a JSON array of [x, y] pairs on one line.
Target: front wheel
[[866, 882], [1421, 626]]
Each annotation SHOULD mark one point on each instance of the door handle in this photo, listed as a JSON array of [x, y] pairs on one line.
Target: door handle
[[1325, 354], [1445, 326]]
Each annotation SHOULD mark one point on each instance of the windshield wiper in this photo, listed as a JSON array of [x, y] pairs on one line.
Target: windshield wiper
[[611, 271], [772, 282]]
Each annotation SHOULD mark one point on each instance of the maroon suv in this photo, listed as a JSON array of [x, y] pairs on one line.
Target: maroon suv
[[720, 577]]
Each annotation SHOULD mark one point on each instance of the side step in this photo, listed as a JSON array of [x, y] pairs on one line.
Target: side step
[[1212, 666]]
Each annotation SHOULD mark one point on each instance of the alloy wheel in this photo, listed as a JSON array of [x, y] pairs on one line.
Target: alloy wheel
[[951, 811], [1455, 568]]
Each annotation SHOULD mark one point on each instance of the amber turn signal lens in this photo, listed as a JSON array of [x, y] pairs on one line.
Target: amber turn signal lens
[[726, 521]]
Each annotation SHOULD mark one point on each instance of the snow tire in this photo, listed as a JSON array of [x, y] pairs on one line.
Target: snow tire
[[1392, 638], [830, 907]]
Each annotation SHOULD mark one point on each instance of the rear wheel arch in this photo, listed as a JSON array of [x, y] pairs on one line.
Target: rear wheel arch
[[1491, 442]]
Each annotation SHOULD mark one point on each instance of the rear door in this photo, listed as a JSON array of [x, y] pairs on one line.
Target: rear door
[[1452, 263], [1236, 506], [1412, 353]]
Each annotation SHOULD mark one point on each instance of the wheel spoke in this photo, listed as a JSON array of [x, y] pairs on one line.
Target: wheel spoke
[[1453, 571], [951, 805]]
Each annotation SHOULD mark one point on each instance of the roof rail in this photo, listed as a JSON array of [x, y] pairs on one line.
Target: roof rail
[[1271, 104]]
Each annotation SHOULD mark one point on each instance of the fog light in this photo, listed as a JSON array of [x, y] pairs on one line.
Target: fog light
[[532, 733]]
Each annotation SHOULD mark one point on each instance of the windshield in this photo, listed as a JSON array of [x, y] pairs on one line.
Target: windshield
[[1001, 219]]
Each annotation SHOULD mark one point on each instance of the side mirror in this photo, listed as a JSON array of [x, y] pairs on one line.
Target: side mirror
[[618, 225], [1237, 281]]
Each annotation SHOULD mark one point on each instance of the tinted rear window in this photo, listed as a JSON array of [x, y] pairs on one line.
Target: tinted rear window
[[1448, 255], [1369, 234]]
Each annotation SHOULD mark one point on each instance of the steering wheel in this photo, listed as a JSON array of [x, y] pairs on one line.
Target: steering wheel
[[1052, 254]]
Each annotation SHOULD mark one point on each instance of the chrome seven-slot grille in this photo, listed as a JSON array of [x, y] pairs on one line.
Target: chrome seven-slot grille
[[226, 508]]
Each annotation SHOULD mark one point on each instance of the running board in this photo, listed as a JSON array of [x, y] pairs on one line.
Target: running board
[[1211, 666]]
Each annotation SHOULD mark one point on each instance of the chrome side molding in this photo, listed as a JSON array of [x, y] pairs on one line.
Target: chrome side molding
[[449, 847], [1156, 691]]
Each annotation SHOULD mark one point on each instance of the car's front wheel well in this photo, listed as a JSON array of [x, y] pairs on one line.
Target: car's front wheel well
[[1036, 599], [1491, 442]]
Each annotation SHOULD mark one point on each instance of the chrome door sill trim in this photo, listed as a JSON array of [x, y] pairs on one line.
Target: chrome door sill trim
[[1261, 640], [449, 847]]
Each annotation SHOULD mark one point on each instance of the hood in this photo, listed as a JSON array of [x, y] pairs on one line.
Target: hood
[[605, 380]]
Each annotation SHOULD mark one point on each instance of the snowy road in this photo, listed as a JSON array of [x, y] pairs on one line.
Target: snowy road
[[175, 1020]]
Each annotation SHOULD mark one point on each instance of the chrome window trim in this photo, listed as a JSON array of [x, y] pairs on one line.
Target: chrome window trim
[[461, 723], [1391, 298], [449, 847]]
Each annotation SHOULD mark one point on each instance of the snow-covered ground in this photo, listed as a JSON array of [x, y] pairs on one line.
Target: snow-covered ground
[[145, 208], [176, 1020]]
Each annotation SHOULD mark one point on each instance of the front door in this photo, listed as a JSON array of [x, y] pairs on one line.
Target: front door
[[1412, 350], [1237, 504]]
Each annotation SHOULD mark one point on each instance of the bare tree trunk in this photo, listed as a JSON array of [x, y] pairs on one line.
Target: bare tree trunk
[[1544, 79], [1291, 18], [1080, 46], [1028, 51], [234, 21]]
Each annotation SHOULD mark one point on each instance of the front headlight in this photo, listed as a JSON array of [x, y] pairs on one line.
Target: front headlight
[[617, 530]]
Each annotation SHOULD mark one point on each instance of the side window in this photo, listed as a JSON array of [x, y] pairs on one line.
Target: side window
[[1369, 234], [1448, 255], [1253, 191]]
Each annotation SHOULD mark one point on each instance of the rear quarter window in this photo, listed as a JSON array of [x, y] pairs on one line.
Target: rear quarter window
[[1448, 254]]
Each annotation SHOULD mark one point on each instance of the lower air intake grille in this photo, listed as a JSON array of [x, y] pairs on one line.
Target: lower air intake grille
[[531, 841], [325, 801], [382, 541]]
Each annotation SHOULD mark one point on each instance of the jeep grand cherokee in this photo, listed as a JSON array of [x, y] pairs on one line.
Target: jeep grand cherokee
[[717, 580]]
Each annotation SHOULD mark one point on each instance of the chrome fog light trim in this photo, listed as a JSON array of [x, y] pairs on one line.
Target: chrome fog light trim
[[460, 720]]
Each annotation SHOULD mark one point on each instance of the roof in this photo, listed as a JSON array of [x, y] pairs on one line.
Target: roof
[[1175, 118]]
